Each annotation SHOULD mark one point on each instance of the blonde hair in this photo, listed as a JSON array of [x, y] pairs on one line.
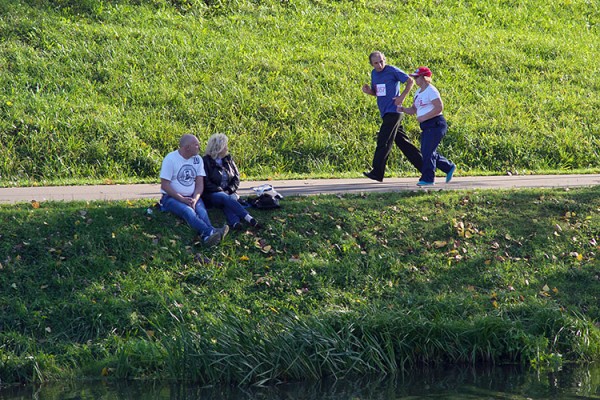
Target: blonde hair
[[216, 144]]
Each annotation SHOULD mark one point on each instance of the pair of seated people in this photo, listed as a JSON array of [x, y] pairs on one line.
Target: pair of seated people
[[188, 181]]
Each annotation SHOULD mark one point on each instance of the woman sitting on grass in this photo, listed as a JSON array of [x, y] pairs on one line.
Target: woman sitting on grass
[[222, 181]]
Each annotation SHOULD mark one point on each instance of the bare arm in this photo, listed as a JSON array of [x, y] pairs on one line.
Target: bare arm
[[407, 88], [368, 89], [197, 190], [408, 110]]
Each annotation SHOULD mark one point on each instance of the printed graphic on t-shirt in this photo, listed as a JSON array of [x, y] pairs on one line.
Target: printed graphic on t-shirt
[[380, 89], [186, 176], [419, 102]]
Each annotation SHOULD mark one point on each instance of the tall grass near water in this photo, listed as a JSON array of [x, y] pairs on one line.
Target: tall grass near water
[[101, 91], [332, 286]]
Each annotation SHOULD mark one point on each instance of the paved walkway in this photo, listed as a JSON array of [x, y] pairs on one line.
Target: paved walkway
[[299, 187]]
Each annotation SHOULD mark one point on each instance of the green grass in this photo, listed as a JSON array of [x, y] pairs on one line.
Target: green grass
[[332, 286], [95, 91]]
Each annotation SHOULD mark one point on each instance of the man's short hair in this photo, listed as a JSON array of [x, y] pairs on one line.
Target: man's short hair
[[186, 139], [376, 53]]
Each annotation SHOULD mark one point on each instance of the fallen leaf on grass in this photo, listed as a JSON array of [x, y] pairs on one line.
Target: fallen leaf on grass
[[263, 279], [569, 214], [557, 228], [35, 204]]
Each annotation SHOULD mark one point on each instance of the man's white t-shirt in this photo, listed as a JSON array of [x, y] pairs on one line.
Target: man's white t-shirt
[[181, 172], [423, 99]]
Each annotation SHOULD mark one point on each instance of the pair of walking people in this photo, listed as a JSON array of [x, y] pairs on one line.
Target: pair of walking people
[[187, 181], [427, 106]]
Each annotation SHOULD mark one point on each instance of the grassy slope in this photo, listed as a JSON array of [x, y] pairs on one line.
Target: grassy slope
[[92, 92], [332, 285]]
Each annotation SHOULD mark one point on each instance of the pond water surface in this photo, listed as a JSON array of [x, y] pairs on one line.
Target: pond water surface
[[450, 383]]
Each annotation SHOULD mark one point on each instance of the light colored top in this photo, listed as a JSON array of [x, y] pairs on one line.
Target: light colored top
[[182, 172], [424, 98]]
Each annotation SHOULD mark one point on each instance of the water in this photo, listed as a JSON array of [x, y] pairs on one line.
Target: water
[[455, 383]]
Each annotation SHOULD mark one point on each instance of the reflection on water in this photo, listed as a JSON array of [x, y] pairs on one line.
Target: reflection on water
[[454, 383]]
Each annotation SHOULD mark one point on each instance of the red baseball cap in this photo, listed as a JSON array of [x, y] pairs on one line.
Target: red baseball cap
[[421, 71]]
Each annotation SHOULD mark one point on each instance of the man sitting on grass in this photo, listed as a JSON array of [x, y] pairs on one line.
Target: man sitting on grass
[[181, 184]]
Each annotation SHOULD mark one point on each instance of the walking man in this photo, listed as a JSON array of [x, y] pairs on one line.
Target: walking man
[[385, 84]]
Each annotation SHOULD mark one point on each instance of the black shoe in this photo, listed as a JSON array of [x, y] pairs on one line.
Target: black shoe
[[253, 222], [237, 226], [371, 175]]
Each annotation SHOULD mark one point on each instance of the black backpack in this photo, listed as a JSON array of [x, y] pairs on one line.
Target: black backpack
[[264, 202]]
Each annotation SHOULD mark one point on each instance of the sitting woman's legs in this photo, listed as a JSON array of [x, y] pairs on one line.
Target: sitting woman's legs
[[233, 210]]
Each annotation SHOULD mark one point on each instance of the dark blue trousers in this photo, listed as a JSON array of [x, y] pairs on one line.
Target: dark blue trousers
[[433, 131]]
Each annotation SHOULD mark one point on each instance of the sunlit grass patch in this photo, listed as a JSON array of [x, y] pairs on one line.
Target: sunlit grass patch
[[95, 91]]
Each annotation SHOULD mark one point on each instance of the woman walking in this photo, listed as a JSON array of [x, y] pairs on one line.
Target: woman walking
[[428, 107]]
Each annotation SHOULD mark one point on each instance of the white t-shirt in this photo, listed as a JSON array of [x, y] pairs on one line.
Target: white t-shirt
[[181, 172], [423, 99]]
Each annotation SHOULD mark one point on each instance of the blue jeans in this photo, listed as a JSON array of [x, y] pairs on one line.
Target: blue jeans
[[197, 219], [233, 210], [433, 131]]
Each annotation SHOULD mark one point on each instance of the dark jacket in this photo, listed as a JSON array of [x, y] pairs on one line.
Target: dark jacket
[[214, 174]]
